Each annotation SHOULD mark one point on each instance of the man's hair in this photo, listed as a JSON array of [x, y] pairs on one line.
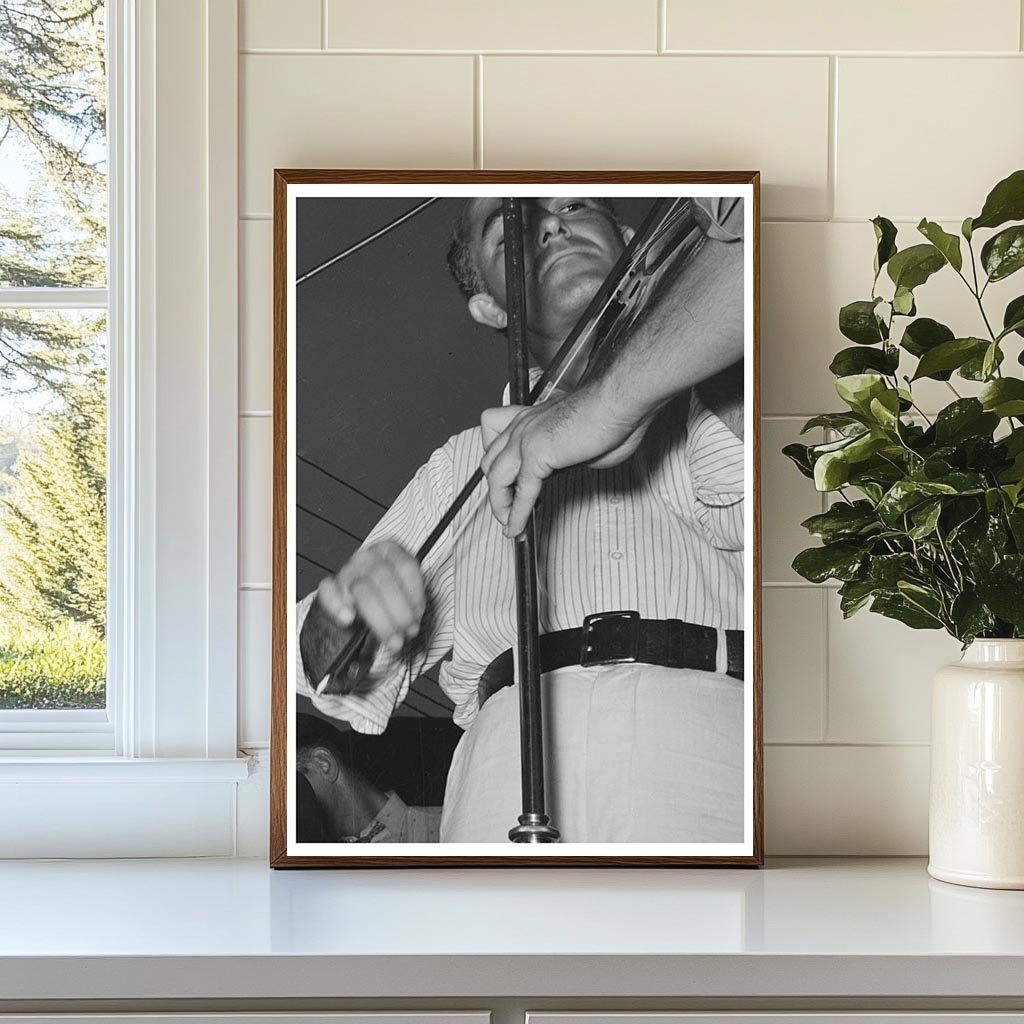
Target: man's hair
[[460, 258]]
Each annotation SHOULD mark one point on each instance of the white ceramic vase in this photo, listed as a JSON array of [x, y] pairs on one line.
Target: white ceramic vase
[[976, 813]]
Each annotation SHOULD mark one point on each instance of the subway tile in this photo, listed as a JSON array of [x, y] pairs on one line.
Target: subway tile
[[255, 505], [255, 317], [846, 801], [351, 111], [794, 662], [470, 25], [254, 611], [808, 271], [787, 498], [879, 677], [877, 25], [926, 136], [680, 113], [267, 24]]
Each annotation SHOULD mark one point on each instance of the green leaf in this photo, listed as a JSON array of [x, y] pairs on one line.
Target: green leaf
[[924, 334], [991, 360], [1005, 202], [854, 595], [885, 236], [1004, 397], [912, 267], [1006, 599], [925, 518], [971, 617], [947, 244], [842, 421], [950, 355], [799, 455], [1013, 317], [842, 521], [849, 361], [887, 570], [866, 445], [857, 321], [903, 302], [906, 494], [1003, 254], [831, 471], [974, 368], [966, 417], [858, 389], [897, 607], [841, 561], [965, 229], [885, 409]]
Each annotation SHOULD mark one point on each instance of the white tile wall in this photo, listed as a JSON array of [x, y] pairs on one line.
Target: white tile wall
[[471, 25], [960, 129], [256, 307], [254, 667], [873, 25], [332, 110], [794, 664], [260, 25], [698, 113], [908, 127]]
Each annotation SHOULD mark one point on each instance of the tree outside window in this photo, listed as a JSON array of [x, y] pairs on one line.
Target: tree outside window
[[53, 216]]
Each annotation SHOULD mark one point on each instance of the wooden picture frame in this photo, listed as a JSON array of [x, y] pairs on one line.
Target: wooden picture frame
[[317, 198]]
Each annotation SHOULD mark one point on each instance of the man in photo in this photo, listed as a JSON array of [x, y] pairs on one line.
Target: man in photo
[[339, 804], [642, 467]]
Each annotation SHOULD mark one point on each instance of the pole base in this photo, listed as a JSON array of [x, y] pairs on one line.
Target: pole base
[[534, 828]]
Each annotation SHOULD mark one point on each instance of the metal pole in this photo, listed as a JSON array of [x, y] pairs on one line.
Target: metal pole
[[534, 824]]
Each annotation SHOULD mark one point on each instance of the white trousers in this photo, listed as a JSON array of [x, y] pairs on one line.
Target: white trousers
[[633, 753]]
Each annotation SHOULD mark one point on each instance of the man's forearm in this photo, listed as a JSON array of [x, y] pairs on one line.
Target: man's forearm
[[692, 332]]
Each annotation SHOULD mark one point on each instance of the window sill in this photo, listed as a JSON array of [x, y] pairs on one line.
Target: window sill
[[80, 806], [81, 767]]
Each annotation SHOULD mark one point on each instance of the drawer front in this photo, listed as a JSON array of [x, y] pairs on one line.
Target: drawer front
[[361, 1017], [775, 1018]]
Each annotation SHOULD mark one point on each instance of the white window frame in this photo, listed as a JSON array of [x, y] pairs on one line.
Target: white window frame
[[161, 764]]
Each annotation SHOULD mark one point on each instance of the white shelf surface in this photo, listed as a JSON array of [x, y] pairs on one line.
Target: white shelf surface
[[234, 929]]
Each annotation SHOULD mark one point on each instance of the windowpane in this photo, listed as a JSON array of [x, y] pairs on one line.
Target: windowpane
[[53, 150], [52, 509]]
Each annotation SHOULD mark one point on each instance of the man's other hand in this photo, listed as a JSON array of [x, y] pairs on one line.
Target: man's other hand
[[524, 445], [383, 584]]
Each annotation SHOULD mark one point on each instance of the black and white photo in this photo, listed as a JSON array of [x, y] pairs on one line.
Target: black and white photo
[[516, 565]]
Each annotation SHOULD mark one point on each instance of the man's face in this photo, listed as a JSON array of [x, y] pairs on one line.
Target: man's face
[[569, 246]]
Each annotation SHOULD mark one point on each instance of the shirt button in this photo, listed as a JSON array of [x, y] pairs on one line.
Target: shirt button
[[617, 555], [614, 501]]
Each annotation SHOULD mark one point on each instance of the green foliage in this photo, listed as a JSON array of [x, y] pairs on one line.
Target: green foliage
[[52, 466], [927, 521], [61, 667], [53, 520], [53, 124]]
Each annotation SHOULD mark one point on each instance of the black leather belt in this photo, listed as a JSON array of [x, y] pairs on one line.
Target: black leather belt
[[611, 638]]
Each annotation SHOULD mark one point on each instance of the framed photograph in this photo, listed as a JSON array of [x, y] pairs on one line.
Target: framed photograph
[[516, 561]]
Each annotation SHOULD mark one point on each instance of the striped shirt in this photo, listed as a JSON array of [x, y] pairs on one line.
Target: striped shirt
[[662, 534]]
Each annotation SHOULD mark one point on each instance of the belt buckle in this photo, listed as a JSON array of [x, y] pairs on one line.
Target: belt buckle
[[610, 638]]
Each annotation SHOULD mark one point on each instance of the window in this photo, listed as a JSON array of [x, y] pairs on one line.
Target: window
[[53, 369], [154, 763]]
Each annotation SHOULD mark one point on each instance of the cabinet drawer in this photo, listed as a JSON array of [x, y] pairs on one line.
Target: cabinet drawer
[[776, 1018], [360, 1017]]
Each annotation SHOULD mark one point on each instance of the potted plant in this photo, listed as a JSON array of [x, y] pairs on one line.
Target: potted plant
[[926, 521]]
